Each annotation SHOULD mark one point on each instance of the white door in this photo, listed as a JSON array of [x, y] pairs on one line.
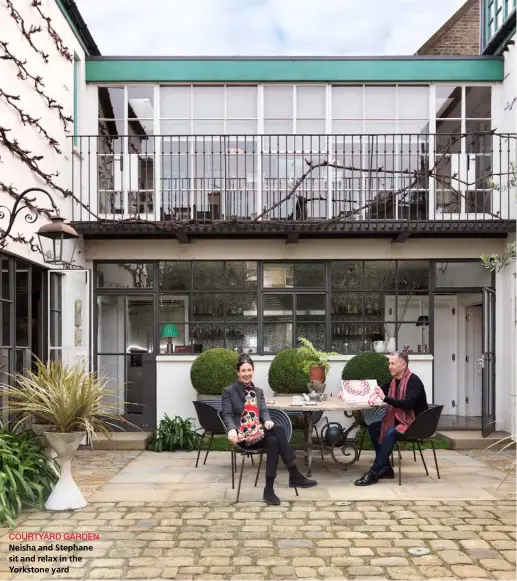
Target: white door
[[446, 356], [474, 352]]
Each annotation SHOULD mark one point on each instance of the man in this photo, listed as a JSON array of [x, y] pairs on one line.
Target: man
[[406, 399]]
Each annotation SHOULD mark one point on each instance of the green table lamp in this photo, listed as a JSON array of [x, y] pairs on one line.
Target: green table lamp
[[169, 330]]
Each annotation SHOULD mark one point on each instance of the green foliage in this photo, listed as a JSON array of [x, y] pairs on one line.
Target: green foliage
[[287, 372], [26, 474], [213, 370], [368, 366], [310, 353], [174, 434], [439, 443], [68, 397], [496, 262]]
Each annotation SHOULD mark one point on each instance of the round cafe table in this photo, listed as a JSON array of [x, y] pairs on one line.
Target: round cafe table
[[343, 451]]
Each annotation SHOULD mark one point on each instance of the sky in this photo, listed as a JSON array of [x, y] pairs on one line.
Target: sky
[[263, 27]]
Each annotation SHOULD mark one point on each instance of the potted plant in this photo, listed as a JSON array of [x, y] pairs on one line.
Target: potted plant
[[212, 371], [316, 362], [288, 372], [73, 402]]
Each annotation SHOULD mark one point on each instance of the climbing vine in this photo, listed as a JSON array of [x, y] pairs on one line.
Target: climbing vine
[[60, 45]]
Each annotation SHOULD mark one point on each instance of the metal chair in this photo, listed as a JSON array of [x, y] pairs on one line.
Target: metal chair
[[423, 428], [208, 417], [280, 418]]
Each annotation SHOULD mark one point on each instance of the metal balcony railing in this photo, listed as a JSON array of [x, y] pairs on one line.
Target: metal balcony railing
[[301, 178]]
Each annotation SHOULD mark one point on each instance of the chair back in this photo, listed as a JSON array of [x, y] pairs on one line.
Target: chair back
[[425, 425], [215, 403], [280, 418], [208, 417]]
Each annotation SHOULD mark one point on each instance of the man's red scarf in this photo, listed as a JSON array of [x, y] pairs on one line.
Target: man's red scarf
[[250, 430], [395, 416]]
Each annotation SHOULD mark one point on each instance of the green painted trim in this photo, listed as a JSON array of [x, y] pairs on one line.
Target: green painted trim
[[65, 13], [142, 70]]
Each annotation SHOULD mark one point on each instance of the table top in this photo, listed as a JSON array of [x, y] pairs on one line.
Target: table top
[[331, 404]]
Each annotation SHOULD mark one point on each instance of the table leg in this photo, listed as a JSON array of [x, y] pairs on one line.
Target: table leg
[[308, 441]]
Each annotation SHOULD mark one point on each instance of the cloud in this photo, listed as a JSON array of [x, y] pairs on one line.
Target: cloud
[[263, 27]]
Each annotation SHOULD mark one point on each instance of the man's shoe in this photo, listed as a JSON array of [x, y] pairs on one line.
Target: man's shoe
[[367, 479], [387, 473], [270, 497], [298, 480]]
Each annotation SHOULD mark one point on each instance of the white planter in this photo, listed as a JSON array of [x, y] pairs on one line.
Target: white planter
[[66, 494], [391, 345]]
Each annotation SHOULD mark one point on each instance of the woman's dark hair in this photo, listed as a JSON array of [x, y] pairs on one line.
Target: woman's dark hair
[[242, 359]]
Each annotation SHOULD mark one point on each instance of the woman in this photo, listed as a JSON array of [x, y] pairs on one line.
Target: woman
[[249, 424]]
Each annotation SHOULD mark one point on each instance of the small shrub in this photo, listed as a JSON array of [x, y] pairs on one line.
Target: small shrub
[[174, 434], [287, 372], [368, 366], [27, 475], [213, 370]]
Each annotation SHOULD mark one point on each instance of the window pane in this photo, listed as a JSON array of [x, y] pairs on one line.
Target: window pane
[[278, 275], [379, 275], [174, 275], [278, 126], [23, 330], [243, 338], [240, 307], [241, 102], [241, 274], [310, 126], [111, 102], [414, 339], [448, 102], [277, 336], [125, 275], [479, 102], [113, 368], [175, 102], [241, 126], [140, 102], [347, 127], [139, 324], [347, 338], [208, 102], [314, 332], [110, 324], [462, 274], [209, 127], [173, 309], [413, 275], [168, 127], [310, 102], [208, 275], [347, 275], [347, 102], [413, 102], [172, 336], [309, 275], [310, 307], [207, 306], [347, 306], [5, 275], [204, 337], [381, 102], [6, 323], [278, 102], [277, 307]]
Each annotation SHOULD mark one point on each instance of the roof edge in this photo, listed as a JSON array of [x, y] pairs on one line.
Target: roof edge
[[79, 27], [209, 58]]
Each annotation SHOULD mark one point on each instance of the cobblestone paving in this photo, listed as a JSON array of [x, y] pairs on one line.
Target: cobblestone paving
[[299, 540]]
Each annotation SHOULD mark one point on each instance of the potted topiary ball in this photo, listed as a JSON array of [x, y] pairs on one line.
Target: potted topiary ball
[[212, 371], [288, 372]]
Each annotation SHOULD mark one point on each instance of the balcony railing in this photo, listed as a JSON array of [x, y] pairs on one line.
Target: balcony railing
[[307, 178]]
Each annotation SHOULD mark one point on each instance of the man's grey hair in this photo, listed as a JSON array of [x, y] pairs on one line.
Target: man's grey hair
[[401, 355]]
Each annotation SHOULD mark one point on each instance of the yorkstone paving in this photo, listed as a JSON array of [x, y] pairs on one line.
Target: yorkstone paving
[[297, 540]]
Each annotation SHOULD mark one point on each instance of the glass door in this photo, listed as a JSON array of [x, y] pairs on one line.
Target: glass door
[[487, 363]]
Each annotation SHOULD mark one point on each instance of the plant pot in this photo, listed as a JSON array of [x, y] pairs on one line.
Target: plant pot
[[205, 397], [391, 345], [66, 494], [316, 386], [317, 374]]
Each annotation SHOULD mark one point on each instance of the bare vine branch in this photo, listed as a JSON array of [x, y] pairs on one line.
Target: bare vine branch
[[16, 16], [60, 45]]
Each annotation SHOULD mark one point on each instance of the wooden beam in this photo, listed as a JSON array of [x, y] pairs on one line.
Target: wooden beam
[[402, 237]]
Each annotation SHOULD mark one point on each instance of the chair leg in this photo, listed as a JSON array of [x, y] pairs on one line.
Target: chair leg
[[200, 446], [258, 471], [361, 444], [414, 452], [296, 490], [422, 456], [208, 449], [392, 461], [400, 464], [233, 469], [252, 461], [240, 479], [435, 460], [235, 460]]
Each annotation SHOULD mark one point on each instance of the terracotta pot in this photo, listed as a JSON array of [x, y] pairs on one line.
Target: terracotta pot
[[317, 373]]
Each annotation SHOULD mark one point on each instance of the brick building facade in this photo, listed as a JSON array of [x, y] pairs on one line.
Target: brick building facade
[[459, 36]]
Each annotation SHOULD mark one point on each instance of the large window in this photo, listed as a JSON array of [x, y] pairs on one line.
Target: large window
[[495, 14], [262, 307]]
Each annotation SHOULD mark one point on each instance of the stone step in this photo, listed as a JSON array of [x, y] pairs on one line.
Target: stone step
[[120, 441], [472, 439]]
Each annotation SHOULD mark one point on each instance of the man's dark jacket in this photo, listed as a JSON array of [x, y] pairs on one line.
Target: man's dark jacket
[[233, 405]]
